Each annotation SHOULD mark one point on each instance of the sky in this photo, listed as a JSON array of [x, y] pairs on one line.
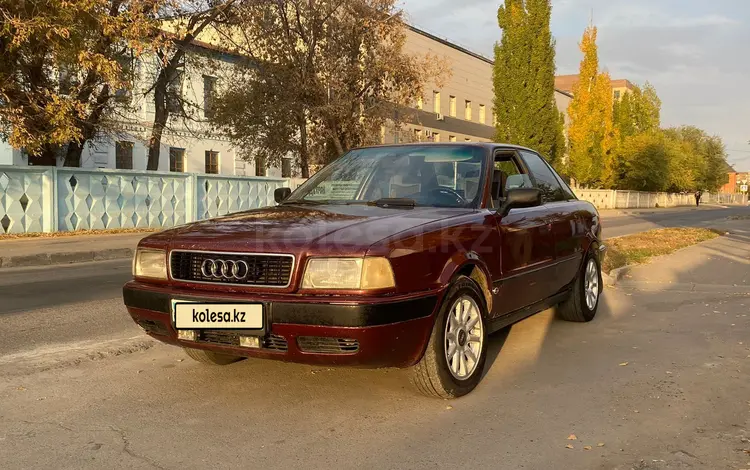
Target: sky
[[696, 53]]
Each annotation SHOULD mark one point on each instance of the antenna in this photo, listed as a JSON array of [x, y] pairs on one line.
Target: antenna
[[591, 17]]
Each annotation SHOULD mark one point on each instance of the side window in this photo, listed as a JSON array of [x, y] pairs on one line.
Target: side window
[[545, 179], [511, 177]]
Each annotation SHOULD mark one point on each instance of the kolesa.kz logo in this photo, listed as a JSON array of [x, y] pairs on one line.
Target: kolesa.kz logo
[[203, 316]]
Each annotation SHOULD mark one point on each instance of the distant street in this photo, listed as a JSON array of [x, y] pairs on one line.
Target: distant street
[[705, 216]]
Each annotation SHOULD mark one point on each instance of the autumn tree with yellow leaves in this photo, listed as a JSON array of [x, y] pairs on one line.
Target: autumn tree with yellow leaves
[[591, 134], [66, 67]]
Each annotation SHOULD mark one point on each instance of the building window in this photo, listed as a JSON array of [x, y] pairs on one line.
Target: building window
[[209, 94], [436, 137], [617, 94], [176, 160], [467, 111], [124, 155], [436, 101], [420, 103], [174, 91], [212, 162], [451, 138], [482, 114], [418, 135], [467, 140], [453, 106]]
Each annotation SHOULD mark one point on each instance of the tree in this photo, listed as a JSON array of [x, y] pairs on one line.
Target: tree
[[186, 20], [65, 68], [524, 79], [591, 132], [702, 157], [644, 163], [333, 69], [638, 111]]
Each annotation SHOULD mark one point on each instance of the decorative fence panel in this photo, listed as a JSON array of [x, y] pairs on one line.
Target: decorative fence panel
[[220, 195], [102, 199], [48, 199], [25, 199]]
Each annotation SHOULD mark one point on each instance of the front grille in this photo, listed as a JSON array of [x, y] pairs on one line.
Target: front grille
[[322, 344], [153, 327], [232, 338], [262, 270]]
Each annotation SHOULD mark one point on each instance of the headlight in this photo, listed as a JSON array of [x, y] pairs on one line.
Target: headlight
[[150, 263], [348, 273]]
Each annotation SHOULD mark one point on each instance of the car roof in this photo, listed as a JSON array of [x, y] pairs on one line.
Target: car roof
[[486, 145]]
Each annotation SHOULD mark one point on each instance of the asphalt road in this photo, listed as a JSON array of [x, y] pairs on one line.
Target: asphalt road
[[82, 302], [658, 381]]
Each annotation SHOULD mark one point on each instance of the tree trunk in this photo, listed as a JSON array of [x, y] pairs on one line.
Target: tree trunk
[[304, 152], [160, 122]]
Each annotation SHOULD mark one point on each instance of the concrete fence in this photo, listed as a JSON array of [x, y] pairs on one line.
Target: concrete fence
[[611, 199], [48, 199]]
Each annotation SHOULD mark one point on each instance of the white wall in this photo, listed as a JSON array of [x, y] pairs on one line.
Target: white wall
[[6, 153]]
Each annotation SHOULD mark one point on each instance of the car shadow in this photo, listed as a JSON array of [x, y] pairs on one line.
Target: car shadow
[[495, 343]]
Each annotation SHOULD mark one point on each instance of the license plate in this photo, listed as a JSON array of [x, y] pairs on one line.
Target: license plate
[[188, 315]]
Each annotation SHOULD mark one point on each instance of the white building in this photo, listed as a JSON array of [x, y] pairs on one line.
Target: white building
[[188, 144]]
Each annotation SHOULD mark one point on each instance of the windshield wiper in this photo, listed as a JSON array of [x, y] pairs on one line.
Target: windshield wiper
[[303, 202], [394, 202]]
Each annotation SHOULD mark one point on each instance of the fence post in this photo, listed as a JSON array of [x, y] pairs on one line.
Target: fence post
[[191, 194], [55, 197]]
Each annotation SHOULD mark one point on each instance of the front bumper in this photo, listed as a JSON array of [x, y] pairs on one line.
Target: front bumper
[[372, 333]]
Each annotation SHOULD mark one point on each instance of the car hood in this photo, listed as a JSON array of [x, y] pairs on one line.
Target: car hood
[[330, 229]]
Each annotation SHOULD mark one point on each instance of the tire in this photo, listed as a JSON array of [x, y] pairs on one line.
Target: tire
[[576, 308], [210, 357], [432, 375]]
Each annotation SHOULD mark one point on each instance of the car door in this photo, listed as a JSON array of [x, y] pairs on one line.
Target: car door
[[567, 226], [527, 246]]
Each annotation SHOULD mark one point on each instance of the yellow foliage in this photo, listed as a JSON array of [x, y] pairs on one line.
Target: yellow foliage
[[591, 132]]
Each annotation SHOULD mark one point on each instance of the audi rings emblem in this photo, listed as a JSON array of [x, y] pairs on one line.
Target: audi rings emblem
[[225, 269]]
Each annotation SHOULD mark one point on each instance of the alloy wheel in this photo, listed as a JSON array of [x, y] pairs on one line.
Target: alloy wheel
[[464, 337]]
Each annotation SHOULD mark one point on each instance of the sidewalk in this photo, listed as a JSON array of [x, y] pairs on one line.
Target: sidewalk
[[719, 266], [67, 249]]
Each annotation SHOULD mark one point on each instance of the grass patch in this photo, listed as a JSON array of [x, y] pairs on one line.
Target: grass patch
[[640, 247], [74, 233]]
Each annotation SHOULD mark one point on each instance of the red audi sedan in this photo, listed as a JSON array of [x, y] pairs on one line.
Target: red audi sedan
[[391, 256]]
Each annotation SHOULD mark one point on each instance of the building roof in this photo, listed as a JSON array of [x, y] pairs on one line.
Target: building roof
[[567, 82]]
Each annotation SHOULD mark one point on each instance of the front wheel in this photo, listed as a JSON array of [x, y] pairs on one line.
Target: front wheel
[[583, 302], [454, 360], [210, 357]]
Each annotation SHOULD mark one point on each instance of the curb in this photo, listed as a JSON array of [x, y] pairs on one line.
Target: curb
[[48, 259]]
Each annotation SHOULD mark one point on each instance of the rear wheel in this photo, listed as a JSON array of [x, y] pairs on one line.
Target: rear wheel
[[454, 360], [210, 357], [583, 302]]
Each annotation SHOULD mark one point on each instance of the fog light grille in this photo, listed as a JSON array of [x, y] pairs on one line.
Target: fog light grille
[[153, 327], [327, 345]]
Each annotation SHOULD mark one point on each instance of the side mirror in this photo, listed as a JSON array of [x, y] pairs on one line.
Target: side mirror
[[521, 197], [280, 194]]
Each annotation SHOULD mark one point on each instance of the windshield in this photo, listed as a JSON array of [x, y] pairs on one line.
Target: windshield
[[429, 175]]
